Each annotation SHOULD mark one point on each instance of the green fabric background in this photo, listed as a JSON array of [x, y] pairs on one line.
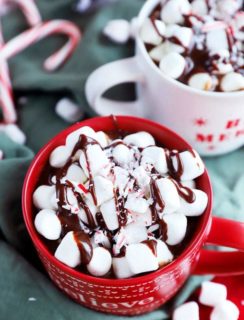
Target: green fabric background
[[21, 275]]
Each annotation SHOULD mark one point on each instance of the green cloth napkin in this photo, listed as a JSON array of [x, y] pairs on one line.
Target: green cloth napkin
[[26, 291]]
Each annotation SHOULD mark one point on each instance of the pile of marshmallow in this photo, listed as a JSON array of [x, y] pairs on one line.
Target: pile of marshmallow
[[214, 27], [213, 295], [124, 165]]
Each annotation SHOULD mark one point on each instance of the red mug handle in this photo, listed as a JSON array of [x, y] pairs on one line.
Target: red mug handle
[[227, 233]]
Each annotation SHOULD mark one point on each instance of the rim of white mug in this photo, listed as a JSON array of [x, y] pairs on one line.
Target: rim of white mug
[[146, 9]]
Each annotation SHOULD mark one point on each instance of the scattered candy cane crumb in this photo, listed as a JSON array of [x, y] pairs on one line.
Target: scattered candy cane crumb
[[32, 299], [68, 110], [1, 154]]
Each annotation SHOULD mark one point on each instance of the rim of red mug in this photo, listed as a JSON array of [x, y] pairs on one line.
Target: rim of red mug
[[219, 95], [199, 237]]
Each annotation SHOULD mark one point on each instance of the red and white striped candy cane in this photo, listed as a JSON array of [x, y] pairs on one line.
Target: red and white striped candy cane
[[35, 34], [6, 91], [29, 9]]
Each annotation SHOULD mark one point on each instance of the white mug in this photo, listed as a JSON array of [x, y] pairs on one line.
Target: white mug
[[212, 122]]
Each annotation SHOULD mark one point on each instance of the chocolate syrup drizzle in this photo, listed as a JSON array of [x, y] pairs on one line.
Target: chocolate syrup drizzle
[[71, 221]]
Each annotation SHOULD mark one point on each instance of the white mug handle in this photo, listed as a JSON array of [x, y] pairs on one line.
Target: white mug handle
[[107, 76]]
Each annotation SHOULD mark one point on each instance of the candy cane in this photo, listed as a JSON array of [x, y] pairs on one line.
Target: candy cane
[[29, 10], [35, 34], [7, 103]]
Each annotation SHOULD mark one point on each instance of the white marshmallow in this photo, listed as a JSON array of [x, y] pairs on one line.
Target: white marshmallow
[[59, 156], [189, 184], [135, 203], [193, 166], [172, 65], [92, 207], [216, 40], [140, 258], [212, 293], [121, 268], [43, 197], [183, 34], [97, 160], [68, 251], [68, 110], [140, 139], [232, 82], [100, 238], [143, 218], [169, 195], [102, 138], [173, 10], [155, 156], [199, 7], [1, 154], [122, 154], [141, 177], [121, 179], [226, 310], [109, 212], [149, 34], [73, 137], [195, 208], [223, 68], [176, 227], [164, 256], [75, 173], [189, 310], [103, 189], [117, 30], [201, 81], [135, 232], [48, 224], [157, 53], [100, 263], [14, 133], [227, 7], [160, 26]]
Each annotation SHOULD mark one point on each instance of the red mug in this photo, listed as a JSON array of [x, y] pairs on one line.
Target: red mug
[[145, 293]]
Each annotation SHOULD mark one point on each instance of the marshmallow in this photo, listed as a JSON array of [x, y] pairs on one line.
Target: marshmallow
[[195, 208], [102, 138], [223, 68], [121, 268], [68, 110], [176, 227], [92, 207], [160, 26], [199, 7], [149, 34], [48, 224], [68, 251], [227, 7], [121, 154], [121, 179], [14, 133], [103, 189], [43, 197], [226, 310], [117, 30], [192, 164], [183, 34], [164, 256], [74, 136], [97, 160], [169, 195], [189, 184], [1, 154], [135, 232], [143, 218], [100, 238], [157, 53], [172, 65], [75, 173], [109, 212], [216, 40], [173, 11], [232, 82], [100, 263], [155, 156], [141, 177], [201, 81], [59, 156], [140, 258], [189, 310], [140, 139], [135, 203], [212, 293]]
